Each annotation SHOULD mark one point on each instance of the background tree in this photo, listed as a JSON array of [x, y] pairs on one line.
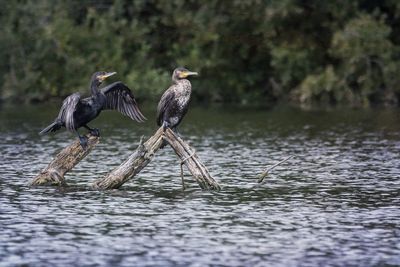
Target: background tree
[[248, 52]]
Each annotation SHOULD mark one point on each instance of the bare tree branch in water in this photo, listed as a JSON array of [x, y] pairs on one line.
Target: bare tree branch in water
[[145, 153], [63, 162]]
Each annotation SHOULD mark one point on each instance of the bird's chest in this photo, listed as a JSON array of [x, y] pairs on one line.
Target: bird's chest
[[183, 95], [182, 101], [88, 110]]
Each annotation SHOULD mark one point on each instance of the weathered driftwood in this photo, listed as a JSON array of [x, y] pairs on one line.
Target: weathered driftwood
[[133, 165], [63, 162], [191, 160], [145, 153]]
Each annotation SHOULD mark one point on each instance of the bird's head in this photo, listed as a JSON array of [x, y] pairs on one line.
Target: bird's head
[[100, 76], [182, 73]]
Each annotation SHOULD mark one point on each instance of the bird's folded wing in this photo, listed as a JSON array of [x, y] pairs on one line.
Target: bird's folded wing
[[165, 101], [67, 110], [120, 97]]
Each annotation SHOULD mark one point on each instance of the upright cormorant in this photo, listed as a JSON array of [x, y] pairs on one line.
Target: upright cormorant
[[76, 112], [175, 100]]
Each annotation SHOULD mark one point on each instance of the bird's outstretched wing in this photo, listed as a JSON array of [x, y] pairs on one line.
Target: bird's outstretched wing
[[67, 110], [165, 101], [120, 97]]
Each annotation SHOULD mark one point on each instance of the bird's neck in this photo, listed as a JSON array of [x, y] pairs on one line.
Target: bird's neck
[[184, 87], [98, 97], [94, 88], [180, 81]]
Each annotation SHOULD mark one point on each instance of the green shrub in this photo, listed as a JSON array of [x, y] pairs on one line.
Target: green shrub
[[343, 52]]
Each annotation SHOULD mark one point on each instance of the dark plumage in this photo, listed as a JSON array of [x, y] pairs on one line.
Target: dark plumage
[[76, 112], [174, 102]]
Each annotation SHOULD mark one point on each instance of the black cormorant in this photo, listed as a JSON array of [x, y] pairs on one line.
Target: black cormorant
[[76, 112], [175, 100]]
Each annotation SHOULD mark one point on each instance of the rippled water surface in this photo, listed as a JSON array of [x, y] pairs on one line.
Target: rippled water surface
[[337, 202]]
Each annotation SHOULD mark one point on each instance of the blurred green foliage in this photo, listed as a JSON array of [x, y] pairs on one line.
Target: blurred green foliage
[[249, 52]]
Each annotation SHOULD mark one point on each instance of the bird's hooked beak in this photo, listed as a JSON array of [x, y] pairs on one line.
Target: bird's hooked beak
[[185, 74], [105, 76]]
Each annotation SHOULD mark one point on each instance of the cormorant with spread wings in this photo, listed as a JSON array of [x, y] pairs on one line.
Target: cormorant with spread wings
[[77, 112]]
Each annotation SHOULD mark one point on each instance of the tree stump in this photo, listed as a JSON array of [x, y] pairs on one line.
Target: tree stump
[[145, 153], [63, 162]]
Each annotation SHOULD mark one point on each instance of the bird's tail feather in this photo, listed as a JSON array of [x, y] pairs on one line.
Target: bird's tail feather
[[51, 128]]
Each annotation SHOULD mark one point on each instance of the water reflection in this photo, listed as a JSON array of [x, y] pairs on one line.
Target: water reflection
[[335, 203]]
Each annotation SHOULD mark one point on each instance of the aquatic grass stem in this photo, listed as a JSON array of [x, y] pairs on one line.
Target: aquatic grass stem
[[266, 172]]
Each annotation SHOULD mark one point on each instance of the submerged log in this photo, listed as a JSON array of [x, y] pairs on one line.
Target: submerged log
[[145, 153], [63, 162]]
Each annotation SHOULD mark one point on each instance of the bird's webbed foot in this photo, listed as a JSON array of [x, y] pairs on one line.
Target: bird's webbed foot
[[93, 131], [83, 140]]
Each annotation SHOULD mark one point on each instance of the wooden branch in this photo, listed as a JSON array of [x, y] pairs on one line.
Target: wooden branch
[[63, 162], [133, 165], [189, 157], [145, 153]]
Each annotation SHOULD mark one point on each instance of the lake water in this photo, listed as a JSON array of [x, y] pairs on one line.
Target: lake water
[[335, 203]]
